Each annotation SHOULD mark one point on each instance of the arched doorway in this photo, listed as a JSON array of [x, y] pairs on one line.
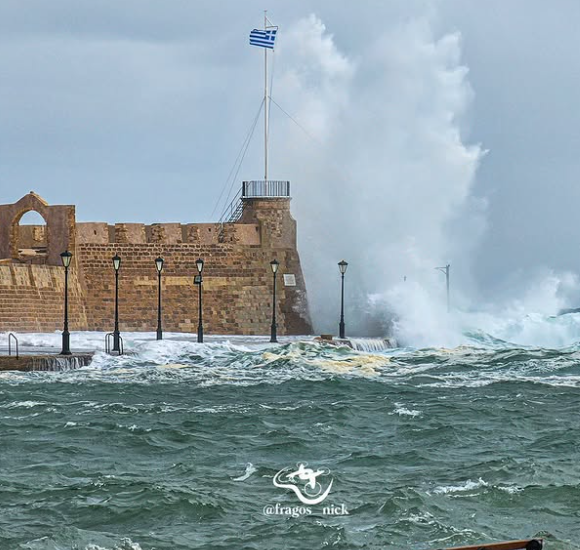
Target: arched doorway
[[30, 237]]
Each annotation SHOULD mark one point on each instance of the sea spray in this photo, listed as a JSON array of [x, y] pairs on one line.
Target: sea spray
[[386, 170], [528, 317]]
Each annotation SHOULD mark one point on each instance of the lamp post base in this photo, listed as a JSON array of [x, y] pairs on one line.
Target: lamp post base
[[200, 334], [273, 335], [116, 342], [341, 331], [66, 343], [159, 334]]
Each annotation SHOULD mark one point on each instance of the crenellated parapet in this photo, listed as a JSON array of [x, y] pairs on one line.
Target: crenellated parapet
[[168, 233]]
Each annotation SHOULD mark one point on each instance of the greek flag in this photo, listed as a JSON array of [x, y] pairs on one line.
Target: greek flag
[[264, 39]]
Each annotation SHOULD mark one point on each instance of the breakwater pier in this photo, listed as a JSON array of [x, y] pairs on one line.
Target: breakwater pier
[[44, 362]]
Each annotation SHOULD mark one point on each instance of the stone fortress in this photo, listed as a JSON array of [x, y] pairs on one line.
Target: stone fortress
[[237, 279]]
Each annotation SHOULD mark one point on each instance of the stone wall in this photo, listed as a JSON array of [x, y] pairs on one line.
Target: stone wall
[[237, 288], [32, 237], [60, 228], [237, 279], [31, 298]]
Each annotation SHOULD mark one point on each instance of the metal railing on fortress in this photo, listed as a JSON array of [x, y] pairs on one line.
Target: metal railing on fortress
[[265, 189], [256, 189]]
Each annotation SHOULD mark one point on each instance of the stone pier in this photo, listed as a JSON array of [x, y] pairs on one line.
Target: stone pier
[[44, 362]]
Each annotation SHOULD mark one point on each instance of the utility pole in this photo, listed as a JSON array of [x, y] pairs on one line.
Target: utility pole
[[445, 270]]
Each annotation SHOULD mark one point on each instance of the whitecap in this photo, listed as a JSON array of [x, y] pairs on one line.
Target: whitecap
[[250, 469], [511, 489], [125, 544], [404, 411], [468, 485], [23, 404]]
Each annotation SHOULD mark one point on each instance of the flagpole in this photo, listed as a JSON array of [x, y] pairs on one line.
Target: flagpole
[[265, 102]]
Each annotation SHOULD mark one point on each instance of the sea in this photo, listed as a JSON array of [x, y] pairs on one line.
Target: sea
[[227, 444]]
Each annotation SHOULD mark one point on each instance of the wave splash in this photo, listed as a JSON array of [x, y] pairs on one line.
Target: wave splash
[[482, 360], [418, 315]]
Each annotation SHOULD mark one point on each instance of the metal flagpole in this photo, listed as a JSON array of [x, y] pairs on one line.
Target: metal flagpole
[[265, 102]]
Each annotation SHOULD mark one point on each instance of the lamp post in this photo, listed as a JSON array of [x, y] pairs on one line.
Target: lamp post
[[116, 334], [159, 266], [274, 264], [66, 258], [445, 269], [342, 265], [198, 280]]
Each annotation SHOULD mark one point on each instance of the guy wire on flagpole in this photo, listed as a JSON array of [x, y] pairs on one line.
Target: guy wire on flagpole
[[237, 163]]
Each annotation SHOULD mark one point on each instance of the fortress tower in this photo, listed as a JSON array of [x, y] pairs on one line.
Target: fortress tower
[[237, 280]]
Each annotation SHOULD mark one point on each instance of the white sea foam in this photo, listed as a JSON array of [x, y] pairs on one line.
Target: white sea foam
[[404, 411], [468, 485], [370, 345], [157, 349], [180, 360], [421, 519], [124, 544], [511, 489], [23, 404], [250, 469]]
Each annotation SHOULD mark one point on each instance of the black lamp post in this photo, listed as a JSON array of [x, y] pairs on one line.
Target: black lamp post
[[198, 280], [66, 258], [342, 265], [274, 264], [159, 266], [116, 334]]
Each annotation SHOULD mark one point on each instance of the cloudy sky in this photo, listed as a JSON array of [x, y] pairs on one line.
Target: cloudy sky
[[430, 132]]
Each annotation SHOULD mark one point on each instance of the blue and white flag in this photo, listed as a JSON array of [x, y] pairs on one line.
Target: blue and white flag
[[264, 39]]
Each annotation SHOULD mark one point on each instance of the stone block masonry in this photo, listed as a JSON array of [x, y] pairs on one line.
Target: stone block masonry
[[237, 279], [31, 298]]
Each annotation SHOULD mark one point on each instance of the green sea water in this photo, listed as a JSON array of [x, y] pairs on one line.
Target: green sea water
[[176, 448]]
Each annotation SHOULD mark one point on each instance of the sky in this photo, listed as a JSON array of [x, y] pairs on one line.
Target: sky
[[423, 132]]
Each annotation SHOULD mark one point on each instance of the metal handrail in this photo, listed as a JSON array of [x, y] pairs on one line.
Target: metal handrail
[[233, 211], [11, 337], [108, 347], [107, 344]]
